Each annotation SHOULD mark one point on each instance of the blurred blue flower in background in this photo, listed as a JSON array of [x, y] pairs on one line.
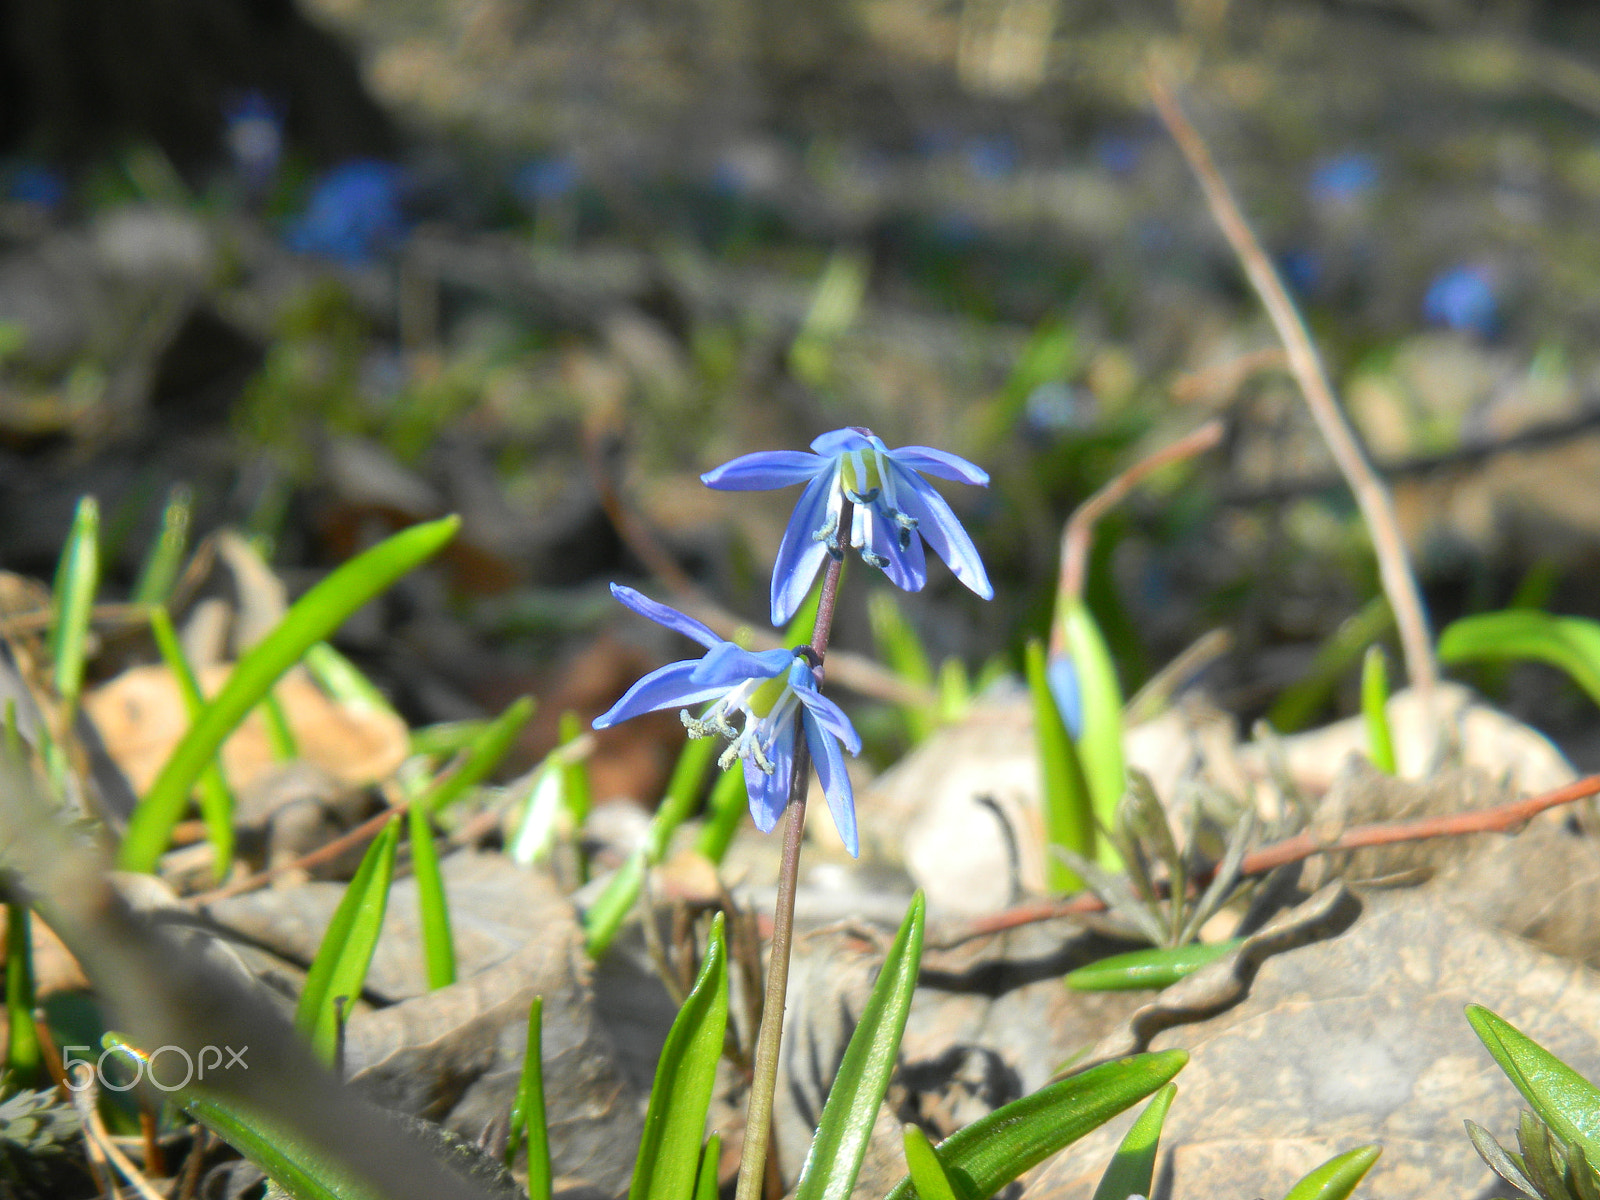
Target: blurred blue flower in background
[[1118, 153], [354, 212], [1303, 270], [1464, 298], [765, 692], [1344, 178], [894, 511], [543, 180], [994, 158], [253, 130], [34, 184]]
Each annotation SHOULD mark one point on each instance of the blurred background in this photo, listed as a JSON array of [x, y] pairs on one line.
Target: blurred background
[[330, 267]]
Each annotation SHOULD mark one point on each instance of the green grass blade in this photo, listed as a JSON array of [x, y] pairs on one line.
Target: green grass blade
[[1068, 810], [1100, 745], [23, 1051], [342, 680], [1155, 968], [1336, 1178], [730, 799], [483, 755], [1134, 1164], [863, 1077], [340, 966], [988, 1154], [528, 1121], [1562, 1099], [300, 1169], [606, 915], [705, 1184], [682, 794], [309, 620], [161, 564], [577, 797], [926, 1172], [1570, 643], [900, 647], [675, 1121], [216, 798], [1301, 700], [77, 579], [1374, 711], [433, 910]]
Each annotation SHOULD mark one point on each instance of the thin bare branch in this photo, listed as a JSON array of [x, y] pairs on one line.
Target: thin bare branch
[[1372, 497]]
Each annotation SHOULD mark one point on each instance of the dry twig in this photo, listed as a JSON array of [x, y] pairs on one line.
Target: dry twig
[[1501, 818], [1372, 497]]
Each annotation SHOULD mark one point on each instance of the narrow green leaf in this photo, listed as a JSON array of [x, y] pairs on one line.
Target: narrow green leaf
[[23, 1052], [528, 1120], [1301, 700], [445, 738], [216, 798], [340, 966], [1068, 809], [77, 579], [1134, 1164], [862, 1080], [1374, 709], [926, 1171], [1336, 1178], [483, 754], [342, 680], [955, 690], [706, 1183], [1100, 746], [540, 796], [1501, 1162], [606, 915], [1156, 968], [675, 1121], [433, 910], [161, 564], [727, 806], [682, 794], [302, 1170], [1562, 1098], [900, 647], [577, 798], [1570, 643], [994, 1150], [310, 620]]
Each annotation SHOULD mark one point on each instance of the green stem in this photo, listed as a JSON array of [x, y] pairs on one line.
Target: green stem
[[764, 1078]]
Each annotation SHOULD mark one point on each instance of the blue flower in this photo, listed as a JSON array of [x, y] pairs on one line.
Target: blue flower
[[764, 691], [355, 211], [1464, 298], [895, 511]]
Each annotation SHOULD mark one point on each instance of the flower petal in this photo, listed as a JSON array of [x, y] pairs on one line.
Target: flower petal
[[728, 665], [670, 686], [769, 794], [765, 470], [830, 717], [800, 553], [835, 781], [940, 463], [906, 567], [662, 615], [942, 531], [841, 441]]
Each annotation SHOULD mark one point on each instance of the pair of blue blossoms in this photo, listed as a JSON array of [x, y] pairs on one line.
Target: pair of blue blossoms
[[893, 514]]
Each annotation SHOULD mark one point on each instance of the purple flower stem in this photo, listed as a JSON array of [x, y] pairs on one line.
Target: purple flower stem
[[764, 1077]]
